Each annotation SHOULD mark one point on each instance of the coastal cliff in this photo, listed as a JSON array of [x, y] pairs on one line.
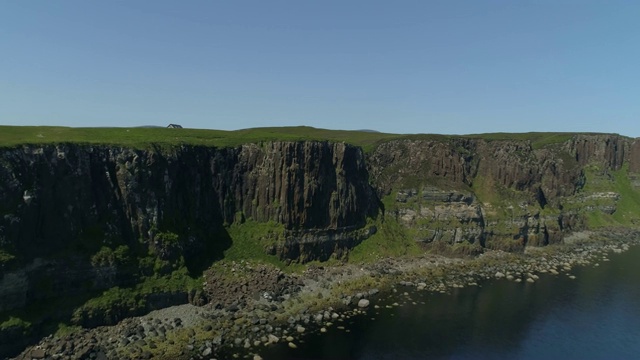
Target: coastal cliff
[[104, 224], [505, 194], [72, 200]]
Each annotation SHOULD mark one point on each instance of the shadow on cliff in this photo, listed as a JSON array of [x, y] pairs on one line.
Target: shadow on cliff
[[200, 258]]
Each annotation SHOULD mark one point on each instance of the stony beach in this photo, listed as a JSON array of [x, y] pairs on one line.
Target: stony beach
[[252, 306]]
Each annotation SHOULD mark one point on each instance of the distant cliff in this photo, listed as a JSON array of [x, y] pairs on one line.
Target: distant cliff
[[80, 218], [504, 194]]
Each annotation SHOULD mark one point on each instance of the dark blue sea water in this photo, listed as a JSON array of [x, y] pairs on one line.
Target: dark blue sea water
[[595, 316]]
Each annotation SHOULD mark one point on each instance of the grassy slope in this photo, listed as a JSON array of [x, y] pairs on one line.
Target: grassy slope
[[250, 240], [391, 240], [627, 207], [142, 137]]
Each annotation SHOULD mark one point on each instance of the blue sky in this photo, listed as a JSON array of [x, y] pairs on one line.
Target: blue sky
[[451, 67]]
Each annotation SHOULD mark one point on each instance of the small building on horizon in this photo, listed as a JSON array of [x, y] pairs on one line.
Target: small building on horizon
[[174, 126]]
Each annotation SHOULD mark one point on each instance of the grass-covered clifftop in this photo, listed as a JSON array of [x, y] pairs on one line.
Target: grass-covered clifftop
[[141, 137]]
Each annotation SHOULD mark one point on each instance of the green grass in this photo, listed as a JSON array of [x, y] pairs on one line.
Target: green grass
[[115, 299], [488, 191], [484, 188], [627, 207], [11, 136], [65, 329], [13, 321], [598, 219], [133, 300], [5, 257], [144, 137], [109, 257], [251, 239], [596, 180], [391, 240]]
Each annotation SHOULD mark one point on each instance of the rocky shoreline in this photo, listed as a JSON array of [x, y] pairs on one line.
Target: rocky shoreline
[[254, 305]]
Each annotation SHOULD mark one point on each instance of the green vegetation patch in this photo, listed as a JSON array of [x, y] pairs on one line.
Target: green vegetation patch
[[116, 303], [138, 137], [256, 241], [5, 257], [597, 219], [391, 240], [65, 329], [627, 207], [488, 191], [110, 257], [15, 322]]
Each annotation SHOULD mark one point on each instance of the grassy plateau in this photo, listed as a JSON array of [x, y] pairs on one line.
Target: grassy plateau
[[139, 137]]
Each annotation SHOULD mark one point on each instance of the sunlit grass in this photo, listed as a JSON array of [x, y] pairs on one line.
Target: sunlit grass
[[138, 137]]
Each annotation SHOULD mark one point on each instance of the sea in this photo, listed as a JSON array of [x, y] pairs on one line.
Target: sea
[[594, 316]]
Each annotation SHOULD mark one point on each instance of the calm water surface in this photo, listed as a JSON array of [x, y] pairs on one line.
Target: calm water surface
[[595, 316]]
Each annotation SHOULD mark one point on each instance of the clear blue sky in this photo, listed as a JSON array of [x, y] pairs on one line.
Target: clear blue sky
[[452, 67]]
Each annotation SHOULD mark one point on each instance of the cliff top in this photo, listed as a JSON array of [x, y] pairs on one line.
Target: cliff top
[[140, 137]]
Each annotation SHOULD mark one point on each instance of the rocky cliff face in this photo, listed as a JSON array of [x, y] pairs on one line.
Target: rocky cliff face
[[501, 194], [609, 150], [71, 200], [52, 195], [78, 198], [304, 185], [71, 215], [77, 219]]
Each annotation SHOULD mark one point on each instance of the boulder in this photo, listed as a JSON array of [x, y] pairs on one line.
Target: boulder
[[38, 354]]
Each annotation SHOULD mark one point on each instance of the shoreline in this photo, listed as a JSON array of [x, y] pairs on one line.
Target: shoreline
[[314, 300]]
